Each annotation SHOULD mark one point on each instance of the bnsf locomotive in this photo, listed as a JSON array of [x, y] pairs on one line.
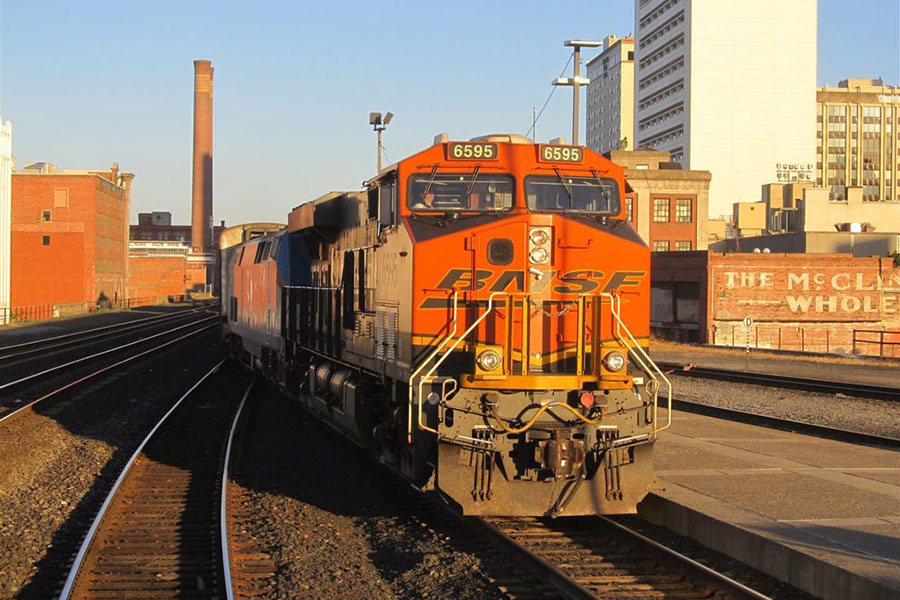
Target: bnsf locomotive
[[478, 317]]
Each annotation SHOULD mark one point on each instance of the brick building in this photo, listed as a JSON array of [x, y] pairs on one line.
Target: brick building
[[157, 268], [69, 235], [796, 301], [157, 226], [665, 204]]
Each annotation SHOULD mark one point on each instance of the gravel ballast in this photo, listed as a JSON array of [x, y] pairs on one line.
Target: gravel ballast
[[865, 415], [336, 524], [59, 463]]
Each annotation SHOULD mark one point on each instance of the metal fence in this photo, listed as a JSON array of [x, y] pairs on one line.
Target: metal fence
[[39, 312], [887, 342]]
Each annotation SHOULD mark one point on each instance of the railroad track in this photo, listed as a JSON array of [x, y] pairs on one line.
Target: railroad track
[[785, 381], [44, 345], [596, 557], [163, 529], [804, 427], [52, 381]]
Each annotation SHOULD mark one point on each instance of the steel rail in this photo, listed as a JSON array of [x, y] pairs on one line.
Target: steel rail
[[95, 525], [848, 388], [103, 328], [727, 582], [570, 588], [223, 498], [121, 329], [106, 368], [102, 353], [804, 427], [574, 590]]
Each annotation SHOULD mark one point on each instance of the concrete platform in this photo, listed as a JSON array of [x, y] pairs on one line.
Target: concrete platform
[[821, 515], [874, 371]]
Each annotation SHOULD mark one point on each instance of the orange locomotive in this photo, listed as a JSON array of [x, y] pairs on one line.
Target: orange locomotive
[[478, 317]]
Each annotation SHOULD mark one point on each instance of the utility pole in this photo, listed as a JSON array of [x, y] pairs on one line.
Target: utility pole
[[378, 124], [576, 81]]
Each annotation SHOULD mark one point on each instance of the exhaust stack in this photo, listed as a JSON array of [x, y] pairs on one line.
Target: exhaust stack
[[201, 197]]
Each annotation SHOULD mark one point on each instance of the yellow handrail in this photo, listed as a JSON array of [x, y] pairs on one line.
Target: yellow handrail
[[437, 364], [424, 363], [643, 359]]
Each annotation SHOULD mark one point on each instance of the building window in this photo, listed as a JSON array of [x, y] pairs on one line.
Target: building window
[[661, 211], [682, 246], [683, 210], [45, 216], [661, 246], [46, 240], [61, 198], [629, 209]]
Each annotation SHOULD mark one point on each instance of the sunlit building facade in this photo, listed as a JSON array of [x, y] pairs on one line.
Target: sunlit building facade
[[857, 141], [610, 96], [728, 87]]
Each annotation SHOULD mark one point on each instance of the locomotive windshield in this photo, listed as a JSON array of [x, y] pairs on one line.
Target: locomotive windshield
[[561, 193], [460, 192]]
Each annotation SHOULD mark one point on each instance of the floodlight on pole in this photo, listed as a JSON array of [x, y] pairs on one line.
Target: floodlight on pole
[[378, 124], [576, 80]]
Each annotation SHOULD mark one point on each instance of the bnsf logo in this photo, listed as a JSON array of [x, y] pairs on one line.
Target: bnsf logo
[[571, 282]]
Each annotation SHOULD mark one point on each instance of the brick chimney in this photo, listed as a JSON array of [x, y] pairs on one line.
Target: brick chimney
[[201, 198]]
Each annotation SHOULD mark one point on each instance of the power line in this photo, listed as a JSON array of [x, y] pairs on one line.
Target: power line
[[552, 91]]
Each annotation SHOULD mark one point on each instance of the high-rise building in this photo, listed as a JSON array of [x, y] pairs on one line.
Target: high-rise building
[[857, 139], [6, 165], [610, 96], [728, 87]]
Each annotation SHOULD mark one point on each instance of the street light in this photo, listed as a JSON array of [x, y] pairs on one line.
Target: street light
[[378, 124], [576, 80]]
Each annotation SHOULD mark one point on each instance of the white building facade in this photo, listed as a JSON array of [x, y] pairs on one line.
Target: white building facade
[[728, 87], [610, 96], [6, 165]]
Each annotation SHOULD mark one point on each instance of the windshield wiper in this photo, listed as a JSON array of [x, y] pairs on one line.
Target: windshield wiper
[[472, 181], [603, 189], [430, 181], [568, 188]]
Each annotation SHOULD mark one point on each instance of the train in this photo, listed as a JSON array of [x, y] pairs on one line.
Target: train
[[477, 317]]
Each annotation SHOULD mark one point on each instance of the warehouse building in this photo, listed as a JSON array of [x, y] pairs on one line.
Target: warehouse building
[[69, 235], [833, 303]]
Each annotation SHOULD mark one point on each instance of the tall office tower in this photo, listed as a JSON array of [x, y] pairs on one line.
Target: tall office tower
[[857, 139], [610, 96], [728, 87]]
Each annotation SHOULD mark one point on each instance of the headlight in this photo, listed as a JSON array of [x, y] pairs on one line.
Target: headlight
[[488, 360], [539, 255], [614, 361], [539, 237]]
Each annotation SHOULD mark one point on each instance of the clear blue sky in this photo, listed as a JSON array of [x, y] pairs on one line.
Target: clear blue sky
[[89, 83]]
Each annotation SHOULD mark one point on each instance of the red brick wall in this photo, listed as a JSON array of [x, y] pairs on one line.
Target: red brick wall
[[156, 275], [806, 302], [60, 277], [96, 209], [672, 231]]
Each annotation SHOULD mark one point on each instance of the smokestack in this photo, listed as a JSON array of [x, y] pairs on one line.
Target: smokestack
[[201, 198]]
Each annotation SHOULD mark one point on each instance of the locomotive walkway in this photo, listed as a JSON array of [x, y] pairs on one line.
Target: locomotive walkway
[[820, 514]]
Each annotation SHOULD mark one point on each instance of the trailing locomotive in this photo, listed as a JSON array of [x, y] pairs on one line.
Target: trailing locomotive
[[477, 317]]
